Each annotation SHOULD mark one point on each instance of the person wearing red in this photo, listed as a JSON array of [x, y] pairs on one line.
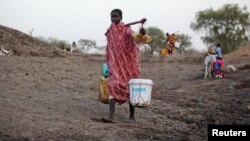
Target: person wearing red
[[123, 64]]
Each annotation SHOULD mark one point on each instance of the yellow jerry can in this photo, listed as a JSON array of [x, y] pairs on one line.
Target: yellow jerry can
[[164, 52], [104, 92]]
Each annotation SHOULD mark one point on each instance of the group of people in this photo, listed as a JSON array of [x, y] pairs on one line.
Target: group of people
[[123, 64], [216, 65]]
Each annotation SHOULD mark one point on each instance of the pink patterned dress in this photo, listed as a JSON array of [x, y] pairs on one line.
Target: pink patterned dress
[[122, 61]]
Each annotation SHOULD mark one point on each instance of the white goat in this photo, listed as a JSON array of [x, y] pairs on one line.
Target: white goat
[[209, 59]]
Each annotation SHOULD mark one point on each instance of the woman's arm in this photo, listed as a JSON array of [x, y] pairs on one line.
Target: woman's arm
[[142, 21]]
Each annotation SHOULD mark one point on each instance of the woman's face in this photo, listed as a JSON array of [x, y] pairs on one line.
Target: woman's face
[[115, 17]]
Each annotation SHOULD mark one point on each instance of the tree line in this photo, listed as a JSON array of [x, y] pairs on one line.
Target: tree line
[[228, 25]]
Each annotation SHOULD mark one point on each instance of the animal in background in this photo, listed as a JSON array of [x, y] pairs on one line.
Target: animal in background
[[209, 59]]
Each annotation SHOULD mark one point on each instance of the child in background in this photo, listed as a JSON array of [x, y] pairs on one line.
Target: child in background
[[217, 68]]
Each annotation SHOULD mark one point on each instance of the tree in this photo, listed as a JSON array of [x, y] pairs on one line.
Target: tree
[[158, 36], [86, 44], [58, 43], [228, 25], [184, 41]]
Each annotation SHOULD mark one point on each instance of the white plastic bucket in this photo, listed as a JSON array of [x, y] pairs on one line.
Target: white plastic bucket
[[140, 92]]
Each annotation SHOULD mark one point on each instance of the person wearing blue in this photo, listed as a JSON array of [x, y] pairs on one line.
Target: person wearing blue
[[218, 52]]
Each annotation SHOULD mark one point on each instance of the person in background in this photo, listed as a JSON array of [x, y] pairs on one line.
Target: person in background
[[217, 65], [217, 68], [74, 47], [218, 52]]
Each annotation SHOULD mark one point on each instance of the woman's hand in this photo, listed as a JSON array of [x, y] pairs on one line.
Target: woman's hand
[[143, 20], [142, 31]]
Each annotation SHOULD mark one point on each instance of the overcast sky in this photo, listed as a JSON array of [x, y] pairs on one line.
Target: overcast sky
[[72, 20]]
